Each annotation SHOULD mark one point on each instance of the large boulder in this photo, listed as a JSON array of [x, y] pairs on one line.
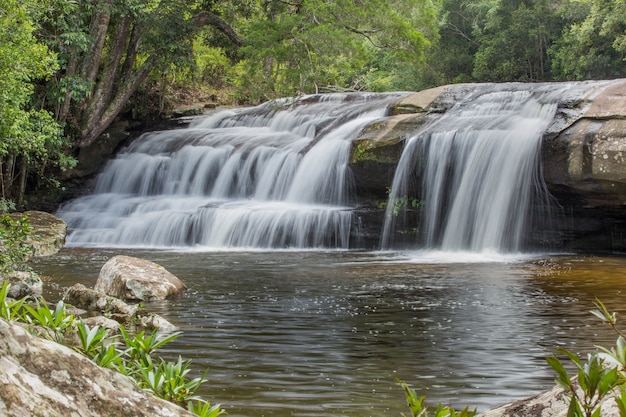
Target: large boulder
[[134, 279], [42, 378]]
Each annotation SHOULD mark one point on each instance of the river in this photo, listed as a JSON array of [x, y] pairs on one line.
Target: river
[[329, 333]]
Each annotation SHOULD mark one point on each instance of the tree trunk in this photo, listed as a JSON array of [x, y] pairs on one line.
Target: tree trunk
[[98, 29], [21, 190], [106, 84], [7, 176], [119, 79], [124, 92]]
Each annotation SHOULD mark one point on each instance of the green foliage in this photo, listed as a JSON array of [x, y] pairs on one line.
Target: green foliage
[[14, 249], [30, 138], [141, 346], [314, 45], [594, 379], [400, 203], [51, 324], [418, 409], [168, 380], [205, 409], [600, 375], [9, 310], [593, 46]]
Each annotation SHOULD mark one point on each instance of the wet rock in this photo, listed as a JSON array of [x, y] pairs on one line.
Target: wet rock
[[42, 378], [115, 311], [587, 159], [95, 301], [104, 322], [153, 321]]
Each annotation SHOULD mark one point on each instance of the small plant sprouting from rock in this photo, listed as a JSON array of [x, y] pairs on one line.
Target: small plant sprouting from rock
[[133, 355], [601, 375], [418, 409]]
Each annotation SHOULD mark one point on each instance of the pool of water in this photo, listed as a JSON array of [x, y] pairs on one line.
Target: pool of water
[[329, 333]]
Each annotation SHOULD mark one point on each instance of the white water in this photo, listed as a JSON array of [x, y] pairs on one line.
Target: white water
[[480, 172], [270, 177]]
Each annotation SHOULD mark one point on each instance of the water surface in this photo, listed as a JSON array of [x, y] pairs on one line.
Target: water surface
[[329, 333]]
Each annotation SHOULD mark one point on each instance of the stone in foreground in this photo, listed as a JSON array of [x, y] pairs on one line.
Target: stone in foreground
[[133, 279], [42, 378]]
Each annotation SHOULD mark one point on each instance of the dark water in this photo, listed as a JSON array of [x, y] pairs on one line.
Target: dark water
[[329, 333]]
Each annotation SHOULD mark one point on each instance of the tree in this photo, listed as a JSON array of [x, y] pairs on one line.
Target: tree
[[514, 39], [29, 136], [307, 46], [594, 46], [107, 48]]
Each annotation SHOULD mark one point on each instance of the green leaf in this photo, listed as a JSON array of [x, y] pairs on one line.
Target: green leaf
[[562, 379]]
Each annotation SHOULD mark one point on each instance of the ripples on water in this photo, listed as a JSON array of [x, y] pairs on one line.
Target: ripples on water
[[328, 333]]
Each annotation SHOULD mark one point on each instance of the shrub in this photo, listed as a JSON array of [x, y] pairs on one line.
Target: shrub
[[14, 249]]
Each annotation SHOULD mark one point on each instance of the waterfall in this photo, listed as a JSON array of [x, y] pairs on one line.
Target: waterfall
[[473, 175], [274, 176]]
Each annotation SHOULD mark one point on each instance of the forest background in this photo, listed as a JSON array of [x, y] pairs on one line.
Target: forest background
[[70, 68]]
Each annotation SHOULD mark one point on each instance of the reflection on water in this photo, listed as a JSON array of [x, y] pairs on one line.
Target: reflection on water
[[328, 333]]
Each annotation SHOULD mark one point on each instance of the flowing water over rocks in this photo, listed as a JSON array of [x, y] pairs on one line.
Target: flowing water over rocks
[[270, 177]]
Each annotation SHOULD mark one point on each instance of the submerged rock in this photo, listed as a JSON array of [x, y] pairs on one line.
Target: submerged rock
[[42, 378], [133, 279]]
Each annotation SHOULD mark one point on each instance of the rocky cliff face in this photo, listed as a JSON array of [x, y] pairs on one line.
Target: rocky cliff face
[[583, 159]]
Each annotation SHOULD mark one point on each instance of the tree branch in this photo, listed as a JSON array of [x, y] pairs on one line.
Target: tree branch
[[209, 19], [366, 34]]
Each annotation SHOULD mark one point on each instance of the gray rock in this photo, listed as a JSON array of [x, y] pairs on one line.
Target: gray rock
[[136, 279], [23, 284], [114, 310], [42, 378], [95, 301]]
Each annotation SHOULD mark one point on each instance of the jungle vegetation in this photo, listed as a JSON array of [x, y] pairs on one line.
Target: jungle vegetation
[[69, 68]]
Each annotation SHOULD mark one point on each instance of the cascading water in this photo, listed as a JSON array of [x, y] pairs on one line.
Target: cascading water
[[274, 176], [475, 171]]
